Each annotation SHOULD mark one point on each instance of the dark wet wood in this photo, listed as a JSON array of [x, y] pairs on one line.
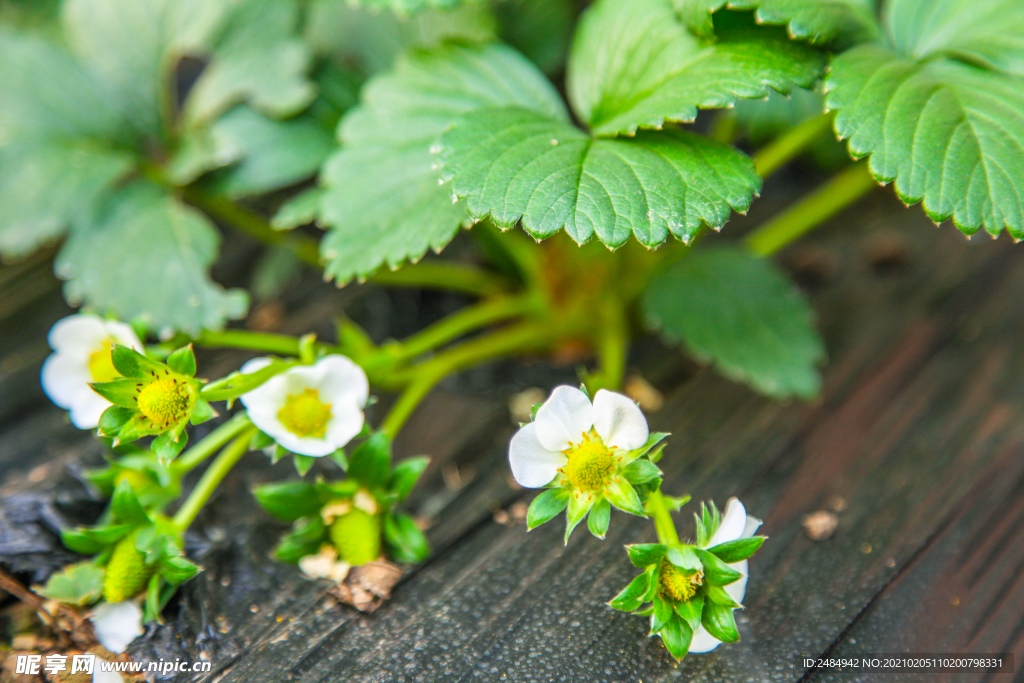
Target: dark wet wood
[[919, 432]]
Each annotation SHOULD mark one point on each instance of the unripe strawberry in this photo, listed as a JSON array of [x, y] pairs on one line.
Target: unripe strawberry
[[127, 573], [356, 536]]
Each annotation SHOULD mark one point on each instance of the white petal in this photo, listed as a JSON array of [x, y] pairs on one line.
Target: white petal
[[65, 379], [737, 590], [78, 332], [533, 465], [342, 377], [703, 641], [346, 422], [733, 522], [85, 412], [563, 418], [751, 527], [117, 624], [619, 421]]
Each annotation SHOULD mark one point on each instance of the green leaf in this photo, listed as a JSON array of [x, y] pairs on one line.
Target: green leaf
[[382, 198], [288, 501], [546, 506], [644, 555], [739, 311], [719, 622], [540, 29], [663, 613], [86, 541], [304, 539], [76, 584], [632, 595], [183, 361], [641, 472], [405, 475], [404, 540], [947, 133], [517, 165], [835, 23], [716, 572], [302, 463], [684, 557], [635, 65], [738, 550], [677, 635], [301, 209], [624, 497], [720, 596], [599, 517], [691, 610], [370, 464], [125, 507], [403, 7], [163, 249]]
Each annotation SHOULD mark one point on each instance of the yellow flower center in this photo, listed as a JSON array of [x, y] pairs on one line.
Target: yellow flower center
[[101, 365], [676, 583], [305, 414], [166, 401], [591, 464]]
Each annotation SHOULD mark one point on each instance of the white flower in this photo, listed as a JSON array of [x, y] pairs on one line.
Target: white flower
[[117, 624], [311, 409], [563, 425], [736, 524], [81, 345]]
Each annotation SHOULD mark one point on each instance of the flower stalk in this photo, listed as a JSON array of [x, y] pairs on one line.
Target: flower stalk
[[212, 477]]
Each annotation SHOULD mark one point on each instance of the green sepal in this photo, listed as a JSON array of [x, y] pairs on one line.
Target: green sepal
[[677, 636], [120, 392], [183, 361], [652, 440], [335, 490], [641, 472], [578, 507], [370, 463], [716, 572], [176, 569], [646, 612], [663, 613], [340, 459], [260, 441], [405, 475], [675, 503], [303, 463], [622, 495], [305, 538], [166, 449], [546, 506], [290, 500], [152, 608], [89, 541], [113, 418], [125, 507], [655, 455], [137, 427], [644, 555], [691, 610], [720, 596], [280, 452], [132, 364], [599, 517], [738, 550], [202, 412], [77, 584], [684, 557], [719, 622], [707, 522], [157, 543], [632, 596], [404, 540]]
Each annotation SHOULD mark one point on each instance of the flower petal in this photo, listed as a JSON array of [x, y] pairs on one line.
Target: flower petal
[[733, 523], [619, 421], [65, 379], [346, 422], [80, 331], [703, 641], [117, 624], [563, 418], [532, 464], [342, 377], [737, 590], [751, 526]]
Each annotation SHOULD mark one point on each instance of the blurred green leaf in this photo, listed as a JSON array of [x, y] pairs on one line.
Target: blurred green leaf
[[835, 23], [76, 584], [540, 29]]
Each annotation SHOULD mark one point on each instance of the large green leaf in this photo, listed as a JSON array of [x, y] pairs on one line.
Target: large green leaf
[[836, 23], [540, 29], [145, 255], [514, 164], [383, 197], [728, 307], [635, 65], [949, 133], [404, 7]]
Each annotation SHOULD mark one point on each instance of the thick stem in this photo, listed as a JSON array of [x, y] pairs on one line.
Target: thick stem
[[210, 444], [612, 348], [663, 524], [424, 376], [211, 478], [828, 200], [789, 144]]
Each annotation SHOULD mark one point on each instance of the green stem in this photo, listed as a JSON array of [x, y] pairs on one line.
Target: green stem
[[790, 144], [458, 324], [210, 444], [456, 277], [828, 200], [424, 376], [663, 523], [280, 344], [612, 347], [211, 478]]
